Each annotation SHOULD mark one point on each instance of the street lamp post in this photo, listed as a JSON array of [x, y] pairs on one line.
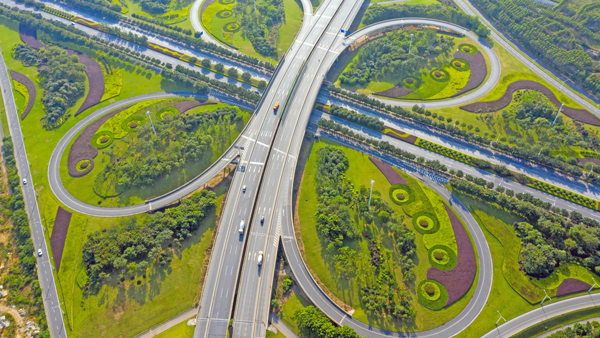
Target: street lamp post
[[410, 46], [595, 284], [561, 107], [542, 303], [499, 318], [148, 113], [372, 182]]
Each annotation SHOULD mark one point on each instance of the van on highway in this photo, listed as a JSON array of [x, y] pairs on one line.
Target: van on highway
[[276, 106], [260, 257], [242, 227]]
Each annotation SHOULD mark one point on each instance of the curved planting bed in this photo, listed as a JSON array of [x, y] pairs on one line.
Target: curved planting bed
[[442, 257], [96, 80], [432, 294], [476, 62], [439, 75], [399, 134], [467, 48], [458, 280], [388, 171], [82, 149], [184, 106], [401, 194], [580, 115], [31, 90], [571, 285], [166, 111], [425, 222], [394, 92]]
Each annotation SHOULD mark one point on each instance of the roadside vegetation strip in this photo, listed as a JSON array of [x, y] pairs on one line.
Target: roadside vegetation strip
[[95, 80], [58, 13], [82, 148], [580, 115], [571, 285], [27, 88], [432, 294], [84, 21], [59, 235], [557, 191], [557, 322], [458, 280]]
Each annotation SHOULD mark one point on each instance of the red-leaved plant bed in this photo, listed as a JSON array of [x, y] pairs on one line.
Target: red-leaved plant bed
[[478, 70], [388, 171], [29, 36], [408, 138], [571, 285], [82, 148], [184, 106], [458, 280], [23, 79], [96, 79], [580, 115], [59, 234], [394, 92]]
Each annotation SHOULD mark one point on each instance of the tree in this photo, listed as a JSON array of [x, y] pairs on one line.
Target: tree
[[262, 84], [219, 67], [232, 72], [482, 31], [193, 60], [205, 63], [538, 260], [275, 303], [201, 87], [246, 77]]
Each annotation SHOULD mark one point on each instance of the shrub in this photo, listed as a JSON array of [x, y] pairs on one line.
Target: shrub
[[430, 289]]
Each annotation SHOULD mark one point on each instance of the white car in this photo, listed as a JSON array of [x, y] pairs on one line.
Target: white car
[[242, 227], [24, 181], [260, 257], [244, 189], [39, 252]]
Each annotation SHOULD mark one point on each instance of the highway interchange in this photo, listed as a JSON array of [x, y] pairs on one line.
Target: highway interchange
[[269, 148]]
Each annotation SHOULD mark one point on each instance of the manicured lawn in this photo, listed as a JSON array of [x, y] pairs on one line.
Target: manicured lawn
[[181, 330], [293, 20], [361, 170], [293, 304], [410, 2], [274, 335], [178, 8]]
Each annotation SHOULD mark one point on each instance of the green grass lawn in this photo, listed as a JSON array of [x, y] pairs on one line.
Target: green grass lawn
[[410, 2], [293, 304], [274, 335], [178, 7], [181, 330], [320, 261]]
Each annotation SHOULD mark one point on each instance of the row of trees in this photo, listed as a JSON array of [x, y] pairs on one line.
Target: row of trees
[[425, 117], [150, 26], [352, 116], [62, 77], [180, 139], [389, 55], [136, 245], [155, 6], [579, 330], [13, 208], [551, 235], [445, 12], [557, 39]]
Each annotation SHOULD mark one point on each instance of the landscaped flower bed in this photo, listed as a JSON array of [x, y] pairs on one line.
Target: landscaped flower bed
[[394, 92], [580, 115], [571, 285], [184, 106], [432, 294], [29, 90], [395, 133], [96, 80], [388, 171], [442, 257], [458, 280], [425, 222], [59, 235], [478, 67], [402, 194]]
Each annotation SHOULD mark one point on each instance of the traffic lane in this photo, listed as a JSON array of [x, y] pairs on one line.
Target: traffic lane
[[45, 274], [539, 172]]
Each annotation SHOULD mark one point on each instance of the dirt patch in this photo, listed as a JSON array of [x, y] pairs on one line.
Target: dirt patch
[[82, 149], [395, 91], [96, 80], [388, 171], [23, 79], [571, 285], [457, 281], [583, 161], [184, 106], [580, 115], [59, 234], [478, 70]]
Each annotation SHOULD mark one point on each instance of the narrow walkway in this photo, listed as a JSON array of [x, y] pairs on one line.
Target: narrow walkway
[[169, 323], [563, 327]]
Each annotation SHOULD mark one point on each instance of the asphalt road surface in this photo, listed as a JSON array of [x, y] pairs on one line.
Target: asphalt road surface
[[54, 316]]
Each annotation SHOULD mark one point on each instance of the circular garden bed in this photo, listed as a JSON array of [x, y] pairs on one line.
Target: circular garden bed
[[401, 194], [102, 139], [224, 14], [166, 111], [231, 27], [226, 2], [83, 165], [432, 294], [442, 257], [440, 75], [132, 123], [425, 222], [411, 83], [460, 65], [467, 48]]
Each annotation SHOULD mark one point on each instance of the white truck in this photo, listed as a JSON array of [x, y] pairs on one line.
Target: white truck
[[242, 227], [260, 258]]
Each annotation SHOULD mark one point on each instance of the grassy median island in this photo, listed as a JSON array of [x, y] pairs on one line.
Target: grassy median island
[[265, 34], [132, 164], [361, 256], [437, 70], [170, 13]]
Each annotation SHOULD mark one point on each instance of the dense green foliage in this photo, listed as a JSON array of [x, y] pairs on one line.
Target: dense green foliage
[[135, 245], [587, 330], [155, 6], [560, 38], [445, 12], [62, 77], [261, 26], [352, 116], [389, 55], [180, 139], [13, 207], [339, 202], [312, 323], [549, 236]]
